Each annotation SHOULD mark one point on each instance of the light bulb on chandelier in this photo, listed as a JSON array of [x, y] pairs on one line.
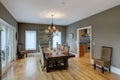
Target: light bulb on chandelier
[[51, 29]]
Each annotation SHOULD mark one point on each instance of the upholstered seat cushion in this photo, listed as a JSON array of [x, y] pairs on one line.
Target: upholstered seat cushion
[[105, 61], [102, 62], [64, 52], [47, 50], [23, 52]]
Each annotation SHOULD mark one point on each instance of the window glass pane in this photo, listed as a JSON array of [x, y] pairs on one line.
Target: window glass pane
[[30, 40], [3, 47], [10, 43], [56, 38]]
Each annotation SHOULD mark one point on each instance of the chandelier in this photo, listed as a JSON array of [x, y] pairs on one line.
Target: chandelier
[[51, 29]]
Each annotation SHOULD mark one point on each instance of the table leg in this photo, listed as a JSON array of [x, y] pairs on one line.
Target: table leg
[[66, 63], [26, 54], [47, 65]]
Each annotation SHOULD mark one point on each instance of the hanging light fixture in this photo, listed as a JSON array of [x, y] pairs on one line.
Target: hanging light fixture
[[51, 29]]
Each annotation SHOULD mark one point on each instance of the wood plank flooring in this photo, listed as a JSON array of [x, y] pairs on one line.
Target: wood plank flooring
[[79, 69]]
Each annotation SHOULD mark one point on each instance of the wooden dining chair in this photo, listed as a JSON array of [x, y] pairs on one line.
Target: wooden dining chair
[[105, 61], [60, 48], [66, 50], [40, 50], [21, 50], [43, 60], [47, 51]]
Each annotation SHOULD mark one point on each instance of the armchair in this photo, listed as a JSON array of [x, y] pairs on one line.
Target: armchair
[[21, 50], [105, 61]]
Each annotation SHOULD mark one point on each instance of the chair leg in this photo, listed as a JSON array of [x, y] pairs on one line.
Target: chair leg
[[94, 66], [102, 69], [109, 69], [43, 68], [40, 61], [26, 54]]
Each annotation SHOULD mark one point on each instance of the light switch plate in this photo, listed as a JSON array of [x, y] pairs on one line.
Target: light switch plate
[[94, 43]]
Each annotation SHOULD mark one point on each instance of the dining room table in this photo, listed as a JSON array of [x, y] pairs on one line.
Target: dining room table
[[56, 60]]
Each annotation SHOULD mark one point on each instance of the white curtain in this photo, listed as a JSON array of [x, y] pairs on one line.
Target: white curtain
[[30, 40], [3, 40], [56, 38]]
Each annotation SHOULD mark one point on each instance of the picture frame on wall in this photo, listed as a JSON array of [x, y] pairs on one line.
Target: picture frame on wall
[[43, 38], [71, 35]]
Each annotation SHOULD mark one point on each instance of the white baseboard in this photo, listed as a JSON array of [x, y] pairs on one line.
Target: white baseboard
[[115, 70], [92, 61]]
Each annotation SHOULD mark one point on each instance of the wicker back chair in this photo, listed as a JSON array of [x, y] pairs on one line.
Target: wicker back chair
[[105, 61]]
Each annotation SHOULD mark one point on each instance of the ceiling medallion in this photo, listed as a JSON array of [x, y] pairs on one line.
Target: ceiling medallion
[[47, 14]]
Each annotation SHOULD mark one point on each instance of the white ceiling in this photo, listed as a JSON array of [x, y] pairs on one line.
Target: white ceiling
[[65, 11]]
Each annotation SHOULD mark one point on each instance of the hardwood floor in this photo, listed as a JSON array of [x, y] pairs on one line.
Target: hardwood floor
[[79, 69]]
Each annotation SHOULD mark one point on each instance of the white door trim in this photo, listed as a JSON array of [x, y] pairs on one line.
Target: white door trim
[[87, 27]]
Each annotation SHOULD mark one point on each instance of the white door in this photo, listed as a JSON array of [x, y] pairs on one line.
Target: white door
[[7, 43]]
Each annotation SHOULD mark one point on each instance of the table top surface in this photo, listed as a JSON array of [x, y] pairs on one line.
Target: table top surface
[[54, 55]]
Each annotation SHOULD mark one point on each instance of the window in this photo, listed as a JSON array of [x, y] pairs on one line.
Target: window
[[56, 38], [30, 40], [3, 47]]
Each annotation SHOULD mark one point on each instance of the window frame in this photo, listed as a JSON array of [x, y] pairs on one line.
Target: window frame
[[25, 38], [60, 37]]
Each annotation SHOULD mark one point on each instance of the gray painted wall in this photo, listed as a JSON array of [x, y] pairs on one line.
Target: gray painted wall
[[106, 32], [27, 26], [6, 16]]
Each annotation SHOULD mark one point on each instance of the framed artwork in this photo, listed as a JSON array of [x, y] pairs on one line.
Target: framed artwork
[[71, 35], [43, 38]]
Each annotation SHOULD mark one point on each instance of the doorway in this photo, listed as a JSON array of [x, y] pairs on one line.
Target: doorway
[[84, 42]]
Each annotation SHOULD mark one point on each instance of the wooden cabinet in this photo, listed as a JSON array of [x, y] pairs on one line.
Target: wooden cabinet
[[82, 49]]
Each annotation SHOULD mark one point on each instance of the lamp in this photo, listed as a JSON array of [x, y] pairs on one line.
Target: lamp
[[51, 29]]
